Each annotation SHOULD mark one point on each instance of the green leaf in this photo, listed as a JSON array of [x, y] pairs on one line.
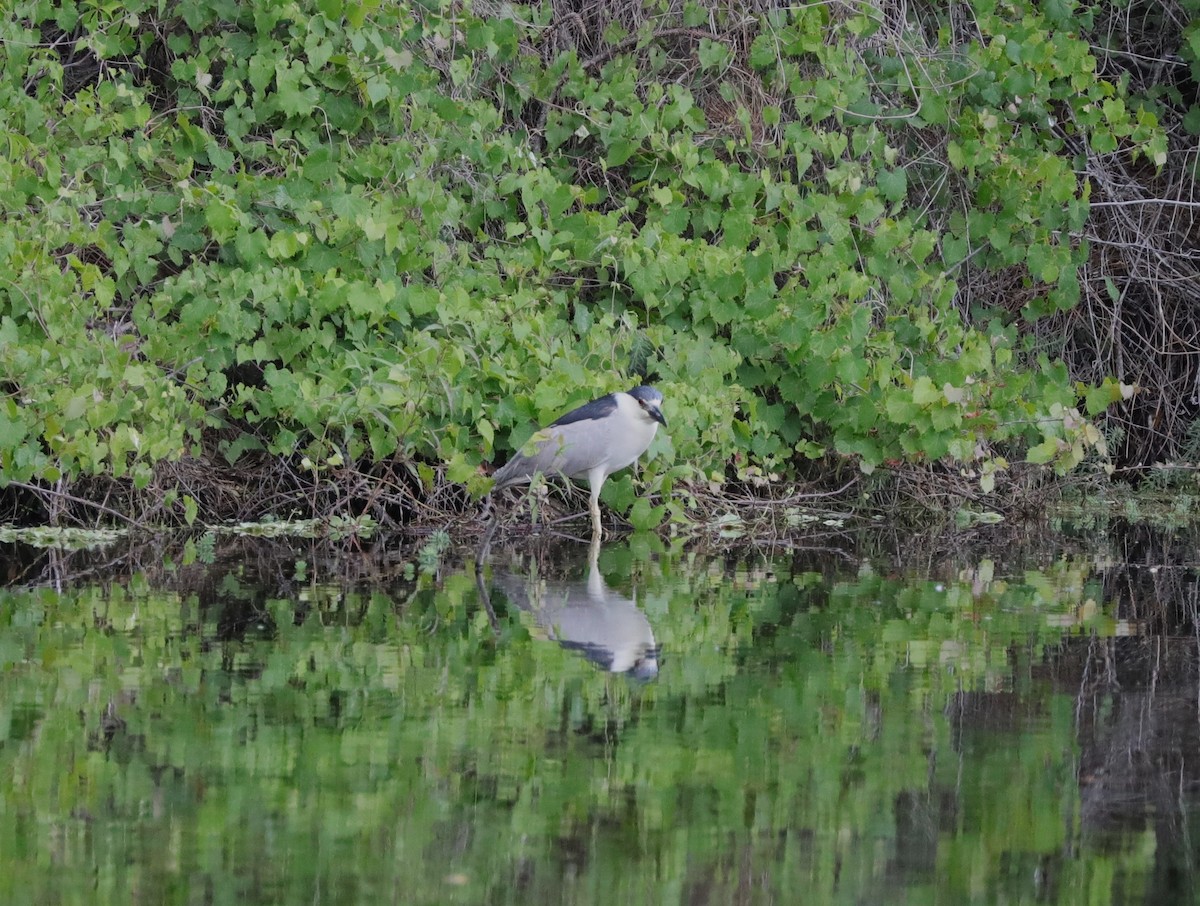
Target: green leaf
[[221, 218], [486, 431], [75, 408], [458, 470], [294, 98], [712, 54], [1111, 391], [286, 244], [645, 516], [1043, 453], [620, 150], [13, 430], [925, 392], [893, 184], [901, 410], [1191, 119]]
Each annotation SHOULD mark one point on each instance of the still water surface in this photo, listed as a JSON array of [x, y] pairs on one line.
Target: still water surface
[[655, 727]]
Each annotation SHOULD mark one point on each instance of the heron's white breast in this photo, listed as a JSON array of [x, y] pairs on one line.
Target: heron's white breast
[[632, 432]]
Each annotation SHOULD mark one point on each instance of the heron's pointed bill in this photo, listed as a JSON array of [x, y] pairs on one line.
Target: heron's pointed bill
[[654, 412]]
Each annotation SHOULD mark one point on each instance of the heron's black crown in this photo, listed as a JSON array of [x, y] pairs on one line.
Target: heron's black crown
[[647, 394], [650, 400]]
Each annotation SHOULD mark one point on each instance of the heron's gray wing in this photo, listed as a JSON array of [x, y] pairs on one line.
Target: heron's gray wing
[[567, 446], [601, 408], [548, 452]]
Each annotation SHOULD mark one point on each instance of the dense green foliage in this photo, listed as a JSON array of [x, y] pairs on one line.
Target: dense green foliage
[[337, 233], [231, 745]]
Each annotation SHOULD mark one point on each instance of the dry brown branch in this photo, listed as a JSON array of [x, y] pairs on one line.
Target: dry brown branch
[[73, 500]]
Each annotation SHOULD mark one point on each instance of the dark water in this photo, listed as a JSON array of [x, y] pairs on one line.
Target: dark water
[[284, 725]]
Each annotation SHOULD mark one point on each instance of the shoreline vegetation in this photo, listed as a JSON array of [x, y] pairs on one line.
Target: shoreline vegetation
[[334, 260]]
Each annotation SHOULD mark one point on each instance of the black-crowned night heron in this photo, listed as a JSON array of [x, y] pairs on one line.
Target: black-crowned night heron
[[592, 442], [603, 625]]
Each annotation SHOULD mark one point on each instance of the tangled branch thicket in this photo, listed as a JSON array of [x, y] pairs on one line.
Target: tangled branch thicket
[[1139, 314], [1139, 317]]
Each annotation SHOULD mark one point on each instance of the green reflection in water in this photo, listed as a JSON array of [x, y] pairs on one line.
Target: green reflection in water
[[807, 737]]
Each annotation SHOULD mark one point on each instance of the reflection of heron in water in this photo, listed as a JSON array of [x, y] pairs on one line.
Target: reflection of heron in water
[[589, 617]]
